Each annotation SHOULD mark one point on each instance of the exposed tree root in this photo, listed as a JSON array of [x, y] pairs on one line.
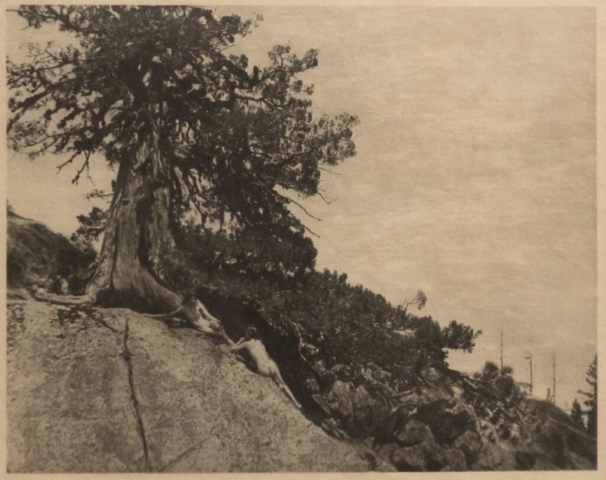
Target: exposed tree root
[[44, 296]]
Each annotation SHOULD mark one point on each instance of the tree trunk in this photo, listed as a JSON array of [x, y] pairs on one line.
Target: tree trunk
[[137, 228]]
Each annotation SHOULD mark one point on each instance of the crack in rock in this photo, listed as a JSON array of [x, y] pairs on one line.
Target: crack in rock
[[103, 323], [127, 355]]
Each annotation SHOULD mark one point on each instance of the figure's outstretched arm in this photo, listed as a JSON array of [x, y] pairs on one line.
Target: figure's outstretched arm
[[163, 316], [228, 340], [207, 330], [239, 346]]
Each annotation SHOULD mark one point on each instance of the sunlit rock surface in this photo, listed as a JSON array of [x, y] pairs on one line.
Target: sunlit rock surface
[[94, 390]]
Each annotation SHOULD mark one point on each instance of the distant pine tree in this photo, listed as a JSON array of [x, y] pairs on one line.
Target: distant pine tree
[[592, 398], [577, 414]]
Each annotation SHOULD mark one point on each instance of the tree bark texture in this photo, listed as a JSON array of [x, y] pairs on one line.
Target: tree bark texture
[[137, 228]]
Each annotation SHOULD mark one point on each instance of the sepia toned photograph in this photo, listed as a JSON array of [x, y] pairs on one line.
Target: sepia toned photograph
[[301, 239]]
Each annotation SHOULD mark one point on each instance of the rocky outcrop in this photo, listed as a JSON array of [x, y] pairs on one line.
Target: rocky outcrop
[[433, 429], [95, 390]]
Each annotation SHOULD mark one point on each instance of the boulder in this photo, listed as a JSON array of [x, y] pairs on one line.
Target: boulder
[[413, 432], [525, 460], [454, 461], [386, 450], [410, 459], [428, 456], [487, 432], [469, 444], [312, 385], [339, 398], [451, 426], [363, 408], [110, 390], [495, 456], [354, 406], [447, 420]]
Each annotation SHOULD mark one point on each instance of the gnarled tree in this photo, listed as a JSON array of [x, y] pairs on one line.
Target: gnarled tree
[[189, 128]]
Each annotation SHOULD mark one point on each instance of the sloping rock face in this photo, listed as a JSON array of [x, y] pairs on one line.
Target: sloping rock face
[[95, 390]]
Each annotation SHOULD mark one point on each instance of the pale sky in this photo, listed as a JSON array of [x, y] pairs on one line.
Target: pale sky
[[475, 178]]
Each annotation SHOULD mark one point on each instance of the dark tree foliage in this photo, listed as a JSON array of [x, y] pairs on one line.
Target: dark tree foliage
[[231, 135], [250, 256], [190, 128], [592, 398], [459, 337], [577, 414], [91, 227], [494, 393], [343, 329]]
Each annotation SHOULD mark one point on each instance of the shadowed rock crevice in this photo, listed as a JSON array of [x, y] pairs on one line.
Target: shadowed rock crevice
[[127, 355], [101, 322]]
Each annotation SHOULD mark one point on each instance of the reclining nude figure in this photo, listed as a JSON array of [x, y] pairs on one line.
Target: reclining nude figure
[[195, 314], [265, 365]]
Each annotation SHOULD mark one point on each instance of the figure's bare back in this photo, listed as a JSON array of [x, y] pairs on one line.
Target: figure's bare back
[[191, 313], [265, 365]]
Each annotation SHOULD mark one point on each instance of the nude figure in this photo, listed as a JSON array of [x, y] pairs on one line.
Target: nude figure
[[265, 365], [195, 314]]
